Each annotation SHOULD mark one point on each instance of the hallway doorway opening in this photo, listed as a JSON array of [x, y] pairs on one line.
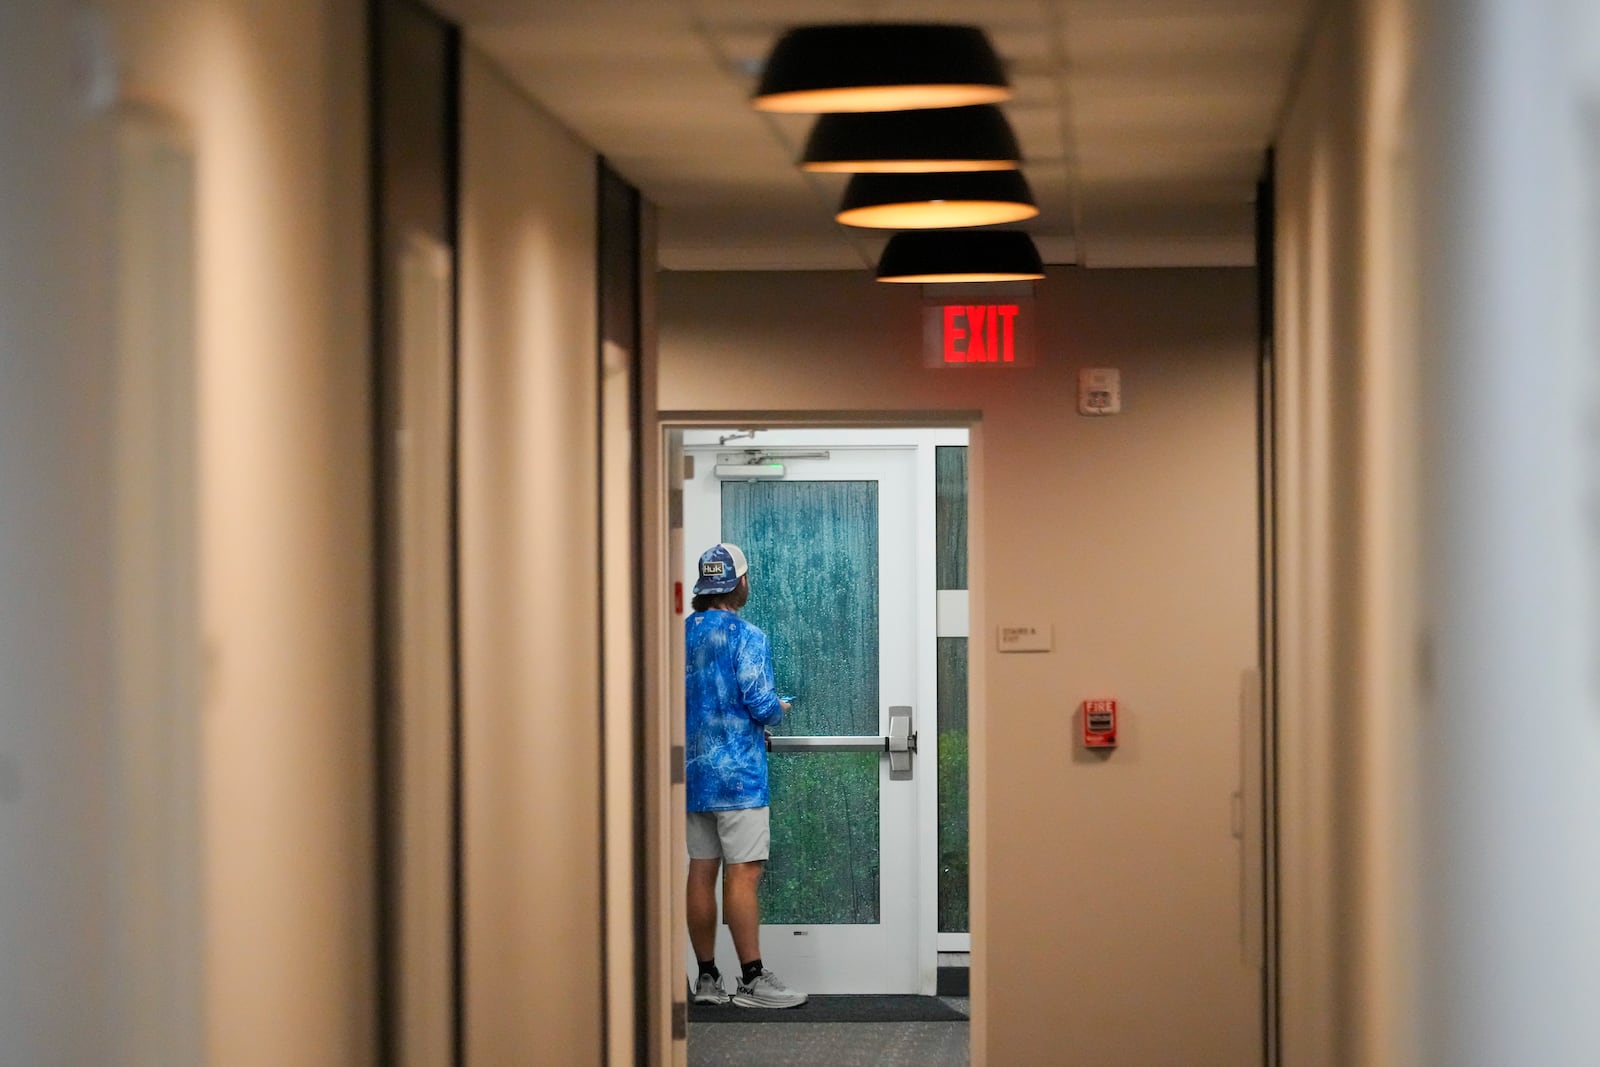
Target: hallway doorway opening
[[857, 541]]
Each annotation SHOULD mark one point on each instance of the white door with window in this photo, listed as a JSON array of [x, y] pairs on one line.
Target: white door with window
[[843, 589]]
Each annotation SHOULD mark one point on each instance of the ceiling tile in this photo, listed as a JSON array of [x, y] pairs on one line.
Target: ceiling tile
[[1145, 122]]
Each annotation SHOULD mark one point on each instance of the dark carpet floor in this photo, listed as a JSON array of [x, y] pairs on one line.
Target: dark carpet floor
[[835, 1009]]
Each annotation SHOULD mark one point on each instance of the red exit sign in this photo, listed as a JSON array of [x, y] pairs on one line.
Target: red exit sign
[[968, 333]]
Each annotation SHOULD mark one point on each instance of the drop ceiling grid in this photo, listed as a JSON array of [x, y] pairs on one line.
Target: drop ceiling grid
[[1133, 115], [1172, 108]]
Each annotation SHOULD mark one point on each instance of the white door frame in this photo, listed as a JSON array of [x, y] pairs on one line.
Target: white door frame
[[916, 449], [665, 834]]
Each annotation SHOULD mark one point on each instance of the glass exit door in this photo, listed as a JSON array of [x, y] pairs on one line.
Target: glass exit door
[[833, 564]]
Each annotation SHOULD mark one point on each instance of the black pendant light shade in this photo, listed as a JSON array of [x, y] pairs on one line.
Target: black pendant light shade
[[907, 142], [936, 201], [880, 66], [960, 256]]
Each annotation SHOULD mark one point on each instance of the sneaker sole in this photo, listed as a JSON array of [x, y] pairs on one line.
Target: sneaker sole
[[710, 1000], [755, 1002]]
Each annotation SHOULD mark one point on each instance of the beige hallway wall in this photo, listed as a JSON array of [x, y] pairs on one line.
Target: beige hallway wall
[[1348, 439], [1436, 169], [57, 651], [530, 611], [1436, 341], [1107, 906], [273, 99]]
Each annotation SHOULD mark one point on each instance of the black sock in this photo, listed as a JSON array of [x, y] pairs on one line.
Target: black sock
[[752, 970], [710, 967]]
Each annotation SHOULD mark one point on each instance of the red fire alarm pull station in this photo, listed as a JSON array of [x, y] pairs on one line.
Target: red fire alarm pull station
[[1099, 724]]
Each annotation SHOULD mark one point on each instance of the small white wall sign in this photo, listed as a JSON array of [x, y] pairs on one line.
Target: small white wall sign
[[1026, 637]]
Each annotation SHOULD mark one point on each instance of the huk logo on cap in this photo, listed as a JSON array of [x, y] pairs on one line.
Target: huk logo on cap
[[713, 568]]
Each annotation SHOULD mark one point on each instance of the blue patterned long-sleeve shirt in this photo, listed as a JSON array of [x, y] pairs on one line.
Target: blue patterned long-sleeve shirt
[[731, 700]]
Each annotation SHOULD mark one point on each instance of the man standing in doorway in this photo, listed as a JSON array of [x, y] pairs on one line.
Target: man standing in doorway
[[731, 702]]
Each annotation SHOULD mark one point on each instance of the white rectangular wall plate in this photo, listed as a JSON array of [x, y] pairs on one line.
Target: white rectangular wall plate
[[1099, 391], [953, 614]]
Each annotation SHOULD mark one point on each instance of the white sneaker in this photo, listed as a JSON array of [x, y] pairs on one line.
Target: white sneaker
[[708, 990], [765, 991]]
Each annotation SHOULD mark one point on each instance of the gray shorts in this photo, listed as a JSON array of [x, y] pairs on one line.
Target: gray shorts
[[734, 836]]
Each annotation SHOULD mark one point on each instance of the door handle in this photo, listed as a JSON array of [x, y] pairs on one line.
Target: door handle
[[825, 743], [900, 742]]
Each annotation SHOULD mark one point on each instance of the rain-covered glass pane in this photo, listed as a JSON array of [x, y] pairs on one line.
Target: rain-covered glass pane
[[950, 515], [824, 863], [813, 552], [950, 533], [953, 915]]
